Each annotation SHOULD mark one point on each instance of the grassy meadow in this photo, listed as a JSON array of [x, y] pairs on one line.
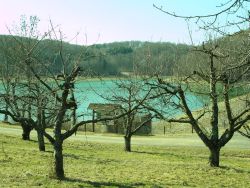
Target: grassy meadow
[[91, 162]]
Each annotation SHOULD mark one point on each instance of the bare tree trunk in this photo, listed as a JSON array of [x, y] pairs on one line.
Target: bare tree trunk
[[8, 83], [58, 160], [6, 117], [93, 124], [127, 143], [40, 124], [214, 158], [26, 131], [40, 139]]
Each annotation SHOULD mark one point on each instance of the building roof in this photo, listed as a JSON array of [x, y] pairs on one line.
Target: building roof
[[100, 107]]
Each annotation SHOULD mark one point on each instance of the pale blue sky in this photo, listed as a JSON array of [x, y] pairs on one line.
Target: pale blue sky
[[110, 20]]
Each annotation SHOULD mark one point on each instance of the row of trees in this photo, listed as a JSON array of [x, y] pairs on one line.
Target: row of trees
[[38, 97]]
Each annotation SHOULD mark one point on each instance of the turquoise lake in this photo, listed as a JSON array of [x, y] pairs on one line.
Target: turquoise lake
[[87, 92]]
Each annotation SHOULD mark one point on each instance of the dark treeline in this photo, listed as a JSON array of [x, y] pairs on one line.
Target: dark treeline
[[117, 58], [233, 49], [110, 59]]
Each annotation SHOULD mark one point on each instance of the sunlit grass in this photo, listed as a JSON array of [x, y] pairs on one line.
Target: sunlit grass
[[90, 164]]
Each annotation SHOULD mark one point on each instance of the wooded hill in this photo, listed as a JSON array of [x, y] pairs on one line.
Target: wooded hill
[[121, 57], [101, 59], [231, 51]]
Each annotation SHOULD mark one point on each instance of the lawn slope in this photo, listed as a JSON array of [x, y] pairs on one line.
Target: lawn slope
[[95, 164]]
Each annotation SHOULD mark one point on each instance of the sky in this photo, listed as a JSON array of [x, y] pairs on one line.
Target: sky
[[104, 21]]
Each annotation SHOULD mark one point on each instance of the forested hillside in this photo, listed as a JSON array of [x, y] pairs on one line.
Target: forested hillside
[[231, 51], [122, 58], [101, 59]]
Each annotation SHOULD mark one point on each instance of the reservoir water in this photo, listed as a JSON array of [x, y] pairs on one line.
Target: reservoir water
[[90, 91]]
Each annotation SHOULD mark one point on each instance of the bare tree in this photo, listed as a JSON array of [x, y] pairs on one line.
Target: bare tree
[[220, 69], [130, 97], [246, 131], [20, 90], [62, 93], [229, 16], [29, 104], [10, 78], [6, 81], [212, 80]]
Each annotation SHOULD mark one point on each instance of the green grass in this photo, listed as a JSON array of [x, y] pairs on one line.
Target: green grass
[[90, 163], [234, 92]]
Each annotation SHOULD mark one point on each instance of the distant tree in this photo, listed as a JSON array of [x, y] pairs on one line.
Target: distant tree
[[118, 49], [132, 95], [6, 77], [245, 130], [29, 106], [14, 74], [24, 99]]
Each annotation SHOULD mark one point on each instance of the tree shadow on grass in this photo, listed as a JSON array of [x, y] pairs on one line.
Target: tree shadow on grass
[[101, 184], [237, 170], [178, 155], [69, 155], [162, 154], [30, 140], [6, 160], [73, 156]]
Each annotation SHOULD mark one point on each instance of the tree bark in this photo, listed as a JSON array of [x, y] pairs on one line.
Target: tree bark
[[40, 139], [214, 157], [6, 117], [26, 131], [58, 161], [127, 143]]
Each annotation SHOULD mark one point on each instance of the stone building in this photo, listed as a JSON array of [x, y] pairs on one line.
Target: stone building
[[108, 110]]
